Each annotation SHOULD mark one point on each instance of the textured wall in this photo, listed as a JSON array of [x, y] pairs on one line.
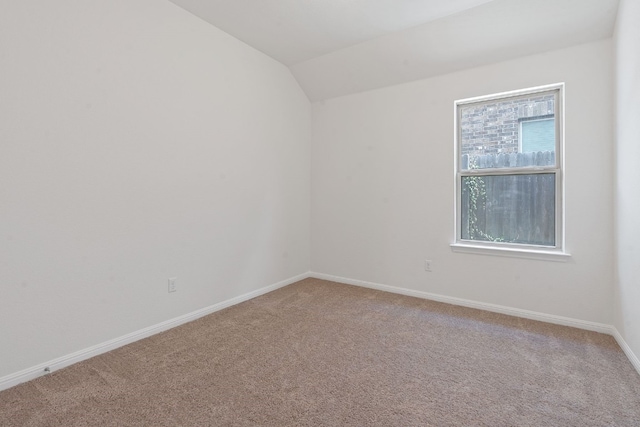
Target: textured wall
[[383, 188], [138, 143], [627, 291]]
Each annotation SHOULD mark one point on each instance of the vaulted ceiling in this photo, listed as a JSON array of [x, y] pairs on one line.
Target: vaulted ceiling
[[338, 47]]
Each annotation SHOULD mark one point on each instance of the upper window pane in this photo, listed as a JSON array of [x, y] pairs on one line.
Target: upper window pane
[[508, 133]]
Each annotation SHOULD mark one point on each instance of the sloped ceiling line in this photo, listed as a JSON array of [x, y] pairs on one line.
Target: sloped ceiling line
[[338, 47]]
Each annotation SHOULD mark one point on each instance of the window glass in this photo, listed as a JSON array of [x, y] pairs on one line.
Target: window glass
[[508, 169], [537, 135], [490, 132], [509, 208]]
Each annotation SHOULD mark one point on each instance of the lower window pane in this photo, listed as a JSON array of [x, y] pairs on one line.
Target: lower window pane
[[509, 208]]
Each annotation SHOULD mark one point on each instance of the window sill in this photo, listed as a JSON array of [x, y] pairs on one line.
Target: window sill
[[538, 254]]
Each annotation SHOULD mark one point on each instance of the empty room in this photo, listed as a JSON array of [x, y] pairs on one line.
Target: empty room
[[319, 213]]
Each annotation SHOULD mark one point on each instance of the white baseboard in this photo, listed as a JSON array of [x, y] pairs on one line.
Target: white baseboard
[[64, 361], [527, 314], [627, 350]]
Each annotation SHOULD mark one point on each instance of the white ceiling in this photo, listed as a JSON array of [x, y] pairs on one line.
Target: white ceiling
[[293, 31], [337, 47]]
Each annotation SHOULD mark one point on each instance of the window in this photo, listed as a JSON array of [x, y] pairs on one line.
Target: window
[[537, 134], [509, 171]]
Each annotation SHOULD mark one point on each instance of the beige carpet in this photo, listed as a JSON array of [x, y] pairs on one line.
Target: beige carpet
[[318, 353]]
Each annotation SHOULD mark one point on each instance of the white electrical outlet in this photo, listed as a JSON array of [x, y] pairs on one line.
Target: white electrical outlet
[[172, 284], [428, 264]]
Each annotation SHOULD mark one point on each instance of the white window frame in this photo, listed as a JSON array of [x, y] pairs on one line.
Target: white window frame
[[552, 253]]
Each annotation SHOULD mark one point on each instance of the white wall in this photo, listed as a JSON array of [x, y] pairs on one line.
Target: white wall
[[382, 188], [137, 143], [627, 289]]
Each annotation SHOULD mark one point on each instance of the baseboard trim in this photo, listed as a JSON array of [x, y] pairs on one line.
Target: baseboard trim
[[64, 361], [627, 350], [527, 314]]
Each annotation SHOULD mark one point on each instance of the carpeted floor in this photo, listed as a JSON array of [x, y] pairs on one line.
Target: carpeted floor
[[318, 353]]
